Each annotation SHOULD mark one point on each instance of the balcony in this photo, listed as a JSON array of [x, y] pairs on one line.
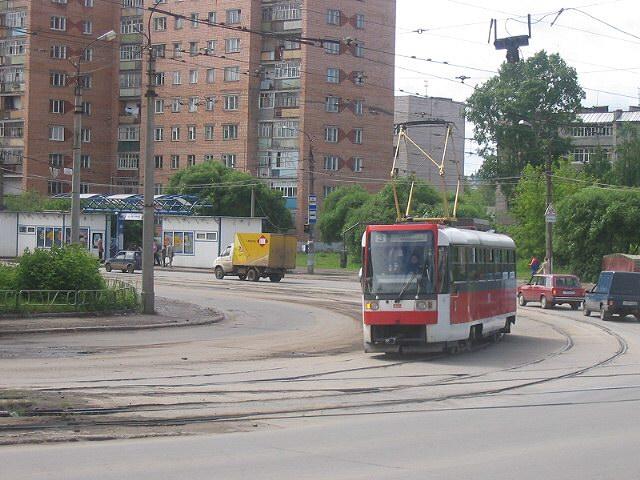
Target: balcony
[[11, 88], [131, 92], [12, 170]]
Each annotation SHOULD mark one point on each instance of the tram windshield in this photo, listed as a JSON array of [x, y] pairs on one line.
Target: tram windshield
[[401, 263]]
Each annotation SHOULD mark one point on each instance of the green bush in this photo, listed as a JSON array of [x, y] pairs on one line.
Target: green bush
[[61, 268], [7, 277]]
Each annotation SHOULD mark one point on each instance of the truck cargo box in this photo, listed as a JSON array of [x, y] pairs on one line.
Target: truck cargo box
[[265, 250], [621, 262]]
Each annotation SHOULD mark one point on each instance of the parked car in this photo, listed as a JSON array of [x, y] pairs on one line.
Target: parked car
[[552, 290], [125, 260], [616, 293]]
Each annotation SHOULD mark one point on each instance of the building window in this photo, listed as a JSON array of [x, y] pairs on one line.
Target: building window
[[158, 79], [177, 77], [208, 132], [158, 134], [286, 129], [54, 188], [158, 160], [130, 52], [84, 188], [85, 161], [157, 189], [194, 20], [232, 74], [87, 55], [231, 102], [357, 135], [158, 105], [55, 160], [86, 108], [211, 17], [357, 164], [359, 20], [130, 79], [331, 134], [211, 47], [159, 50], [128, 161], [182, 242], [132, 3], [331, 162], [176, 105], [287, 70], [265, 129], [130, 25], [56, 133], [209, 157], [359, 78], [332, 47], [358, 107], [87, 27], [85, 135], [266, 100], [229, 160], [128, 133], [333, 75], [327, 190], [191, 132], [592, 131], [191, 160], [287, 99], [193, 76], [58, 23], [233, 16], [358, 50], [333, 17], [56, 106], [287, 192], [160, 24], [177, 50], [58, 51], [332, 104], [86, 81], [175, 162], [232, 45], [193, 104], [209, 103], [58, 79], [230, 131], [179, 23], [175, 134], [61, 2], [193, 48], [88, 3]]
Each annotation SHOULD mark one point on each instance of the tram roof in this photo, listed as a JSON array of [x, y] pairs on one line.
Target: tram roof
[[461, 236]]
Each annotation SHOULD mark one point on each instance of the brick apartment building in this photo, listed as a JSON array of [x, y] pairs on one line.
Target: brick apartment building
[[245, 91]]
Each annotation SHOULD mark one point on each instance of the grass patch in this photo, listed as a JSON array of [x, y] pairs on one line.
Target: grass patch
[[329, 261]]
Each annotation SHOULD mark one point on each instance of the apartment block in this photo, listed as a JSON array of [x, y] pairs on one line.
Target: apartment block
[[420, 117], [298, 94]]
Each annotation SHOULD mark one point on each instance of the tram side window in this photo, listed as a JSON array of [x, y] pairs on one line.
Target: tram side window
[[458, 264]]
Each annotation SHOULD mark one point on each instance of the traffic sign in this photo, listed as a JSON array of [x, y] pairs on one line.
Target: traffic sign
[[312, 209], [550, 214]]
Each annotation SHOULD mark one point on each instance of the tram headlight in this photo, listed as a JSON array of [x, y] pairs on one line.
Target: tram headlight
[[373, 306], [421, 305]]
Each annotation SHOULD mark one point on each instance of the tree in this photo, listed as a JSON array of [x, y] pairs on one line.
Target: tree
[[32, 201], [599, 166], [626, 168], [518, 113], [226, 191], [596, 222], [528, 206], [336, 207]]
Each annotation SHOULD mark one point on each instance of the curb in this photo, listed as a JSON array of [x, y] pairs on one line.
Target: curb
[[106, 328]]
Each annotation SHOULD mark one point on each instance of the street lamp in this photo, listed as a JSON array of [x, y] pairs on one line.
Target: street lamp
[[311, 261], [77, 140]]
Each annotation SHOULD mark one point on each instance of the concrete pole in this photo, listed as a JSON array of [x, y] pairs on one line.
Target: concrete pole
[[311, 252], [253, 202], [1, 179], [77, 151], [148, 295], [549, 225]]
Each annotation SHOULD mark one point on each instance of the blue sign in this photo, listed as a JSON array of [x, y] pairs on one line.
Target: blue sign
[[312, 209]]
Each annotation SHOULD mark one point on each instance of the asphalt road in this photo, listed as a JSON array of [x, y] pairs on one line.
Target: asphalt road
[[284, 378]]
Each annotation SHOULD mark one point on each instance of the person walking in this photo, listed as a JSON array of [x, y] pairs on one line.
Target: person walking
[[100, 250], [544, 267], [164, 255], [156, 254], [534, 265], [170, 254]]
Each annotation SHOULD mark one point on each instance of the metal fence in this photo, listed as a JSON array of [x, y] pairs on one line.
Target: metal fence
[[111, 298]]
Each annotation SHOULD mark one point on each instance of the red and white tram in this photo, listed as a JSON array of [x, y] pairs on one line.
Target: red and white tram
[[429, 285]]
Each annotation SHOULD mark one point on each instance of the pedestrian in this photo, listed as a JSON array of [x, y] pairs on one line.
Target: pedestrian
[[534, 264], [544, 267], [164, 255], [156, 254], [170, 254], [100, 250]]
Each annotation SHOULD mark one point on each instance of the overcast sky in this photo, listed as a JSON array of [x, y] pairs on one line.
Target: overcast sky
[[456, 31]]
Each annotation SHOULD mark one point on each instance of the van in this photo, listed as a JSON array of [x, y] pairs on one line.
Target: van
[[616, 293]]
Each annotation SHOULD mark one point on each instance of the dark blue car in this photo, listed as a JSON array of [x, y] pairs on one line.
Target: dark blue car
[[616, 293]]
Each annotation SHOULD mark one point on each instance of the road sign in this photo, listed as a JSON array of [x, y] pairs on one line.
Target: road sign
[[550, 214], [312, 210]]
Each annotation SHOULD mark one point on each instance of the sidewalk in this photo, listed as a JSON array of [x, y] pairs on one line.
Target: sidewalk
[[169, 314], [302, 271]]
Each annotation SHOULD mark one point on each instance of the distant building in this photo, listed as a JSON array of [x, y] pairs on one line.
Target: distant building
[[430, 138], [598, 129]]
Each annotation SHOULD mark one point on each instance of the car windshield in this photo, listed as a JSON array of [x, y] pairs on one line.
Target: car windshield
[[401, 263], [567, 282]]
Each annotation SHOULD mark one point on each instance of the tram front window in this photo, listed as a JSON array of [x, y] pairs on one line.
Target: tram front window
[[401, 263]]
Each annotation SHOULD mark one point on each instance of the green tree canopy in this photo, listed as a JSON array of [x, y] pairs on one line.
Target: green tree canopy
[[626, 167], [335, 209], [518, 113], [32, 201], [596, 222], [228, 191]]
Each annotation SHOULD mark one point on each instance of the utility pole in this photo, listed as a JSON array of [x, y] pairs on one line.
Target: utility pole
[[148, 294], [548, 214], [311, 251], [77, 142], [1, 178], [253, 202]]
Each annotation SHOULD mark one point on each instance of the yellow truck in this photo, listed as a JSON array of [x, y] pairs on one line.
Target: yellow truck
[[253, 256]]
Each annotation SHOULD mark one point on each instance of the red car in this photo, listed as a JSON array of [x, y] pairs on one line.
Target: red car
[[552, 290]]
